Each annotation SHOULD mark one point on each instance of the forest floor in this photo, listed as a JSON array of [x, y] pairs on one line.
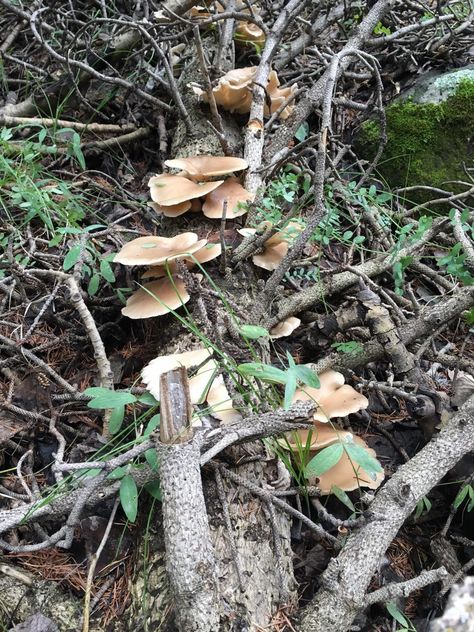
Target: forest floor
[[375, 283]]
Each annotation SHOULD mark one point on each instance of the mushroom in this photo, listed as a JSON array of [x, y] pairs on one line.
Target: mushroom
[[348, 475], [169, 190], [174, 210], [234, 193], [220, 402], [198, 383], [203, 167], [285, 328], [205, 254], [156, 298], [234, 92], [322, 435], [276, 247], [154, 249], [334, 398], [249, 32]]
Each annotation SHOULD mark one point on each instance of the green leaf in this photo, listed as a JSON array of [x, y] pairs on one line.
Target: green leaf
[[154, 490], [362, 457], [307, 376], [253, 332], [93, 285], [396, 614], [151, 426], [264, 372], [106, 271], [290, 388], [341, 495], [324, 460], [72, 257], [152, 459], [460, 496], [119, 472], [116, 419], [105, 398], [147, 399], [129, 497], [302, 132]]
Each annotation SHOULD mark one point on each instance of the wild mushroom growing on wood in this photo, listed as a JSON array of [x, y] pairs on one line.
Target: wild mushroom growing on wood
[[334, 398], [276, 247], [156, 299], [235, 194], [175, 210], [153, 249], [285, 328], [169, 190], [234, 92], [203, 167], [203, 255], [249, 32]]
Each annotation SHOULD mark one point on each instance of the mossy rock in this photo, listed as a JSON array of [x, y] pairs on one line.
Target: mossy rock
[[427, 142]]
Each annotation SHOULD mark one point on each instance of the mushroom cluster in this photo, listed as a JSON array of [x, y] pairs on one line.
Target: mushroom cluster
[[276, 247], [234, 92], [334, 399], [160, 254], [173, 195], [205, 385]]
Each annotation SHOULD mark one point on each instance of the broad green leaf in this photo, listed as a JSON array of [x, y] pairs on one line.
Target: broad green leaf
[[307, 376], [105, 398], [106, 271], [72, 257], [253, 332], [264, 372], [152, 459], [129, 497], [290, 388], [147, 399], [324, 460], [341, 495], [361, 456], [93, 285], [302, 132], [116, 419], [152, 425], [460, 496], [396, 614], [119, 472], [154, 490]]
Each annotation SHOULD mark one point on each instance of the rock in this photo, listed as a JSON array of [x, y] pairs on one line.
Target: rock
[[430, 131], [459, 613]]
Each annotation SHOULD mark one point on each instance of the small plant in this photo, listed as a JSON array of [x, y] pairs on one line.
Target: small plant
[[350, 348], [423, 507], [399, 617], [466, 493]]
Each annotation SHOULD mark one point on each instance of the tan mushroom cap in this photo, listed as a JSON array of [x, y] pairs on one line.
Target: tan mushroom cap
[[156, 299], [168, 190], [204, 166], [348, 475], [322, 435], [234, 193], [249, 32], [220, 402], [154, 249], [272, 256], [171, 211], [334, 398], [285, 328], [198, 384], [205, 254], [233, 92]]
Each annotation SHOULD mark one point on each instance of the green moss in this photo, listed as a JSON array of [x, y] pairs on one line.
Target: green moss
[[426, 143]]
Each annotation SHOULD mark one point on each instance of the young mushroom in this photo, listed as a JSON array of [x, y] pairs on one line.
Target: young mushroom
[[153, 249], [285, 328], [156, 299], [234, 193], [203, 167], [334, 398], [276, 247], [169, 190]]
